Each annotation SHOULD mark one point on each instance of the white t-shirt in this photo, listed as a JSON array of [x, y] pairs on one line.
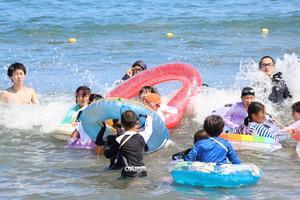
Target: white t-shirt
[[165, 110]]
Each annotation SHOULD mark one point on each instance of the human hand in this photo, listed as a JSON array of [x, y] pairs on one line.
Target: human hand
[[74, 124], [99, 150], [129, 72]]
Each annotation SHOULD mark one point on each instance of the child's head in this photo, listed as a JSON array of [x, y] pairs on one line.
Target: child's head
[[117, 123], [138, 66], [128, 120], [296, 111], [256, 112], [117, 126], [152, 100], [16, 72], [200, 135], [82, 96], [247, 96], [94, 97], [146, 90], [213, 125]]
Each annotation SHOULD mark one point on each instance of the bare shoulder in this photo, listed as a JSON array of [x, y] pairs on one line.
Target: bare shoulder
[[6, 91], [4, 94], [33, 95]]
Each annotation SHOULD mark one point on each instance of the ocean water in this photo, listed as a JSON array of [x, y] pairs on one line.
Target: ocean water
[[222, 40]]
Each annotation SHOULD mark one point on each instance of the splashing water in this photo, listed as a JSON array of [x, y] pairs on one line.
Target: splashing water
[[45, 116], [249, 75], [48, 115]]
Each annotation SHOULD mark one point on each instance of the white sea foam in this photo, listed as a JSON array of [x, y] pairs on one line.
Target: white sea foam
[[52, 109], [249, 75], [45, 116]]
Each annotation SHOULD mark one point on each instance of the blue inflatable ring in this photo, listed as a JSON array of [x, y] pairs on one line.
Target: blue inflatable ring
[[93, 115], [215, 175]]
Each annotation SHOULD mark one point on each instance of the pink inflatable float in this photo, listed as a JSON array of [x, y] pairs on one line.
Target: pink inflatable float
[[188, 76]]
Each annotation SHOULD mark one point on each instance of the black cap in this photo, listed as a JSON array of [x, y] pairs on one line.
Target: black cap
[[140, 63], [248, 91]]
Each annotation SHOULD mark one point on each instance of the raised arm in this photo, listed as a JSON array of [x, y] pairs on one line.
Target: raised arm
[[148, 129]]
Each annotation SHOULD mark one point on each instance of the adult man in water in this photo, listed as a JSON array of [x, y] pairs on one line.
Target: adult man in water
[[18, 93], [280, 91], [136, 68]]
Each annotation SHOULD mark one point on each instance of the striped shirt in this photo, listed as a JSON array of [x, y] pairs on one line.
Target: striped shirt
[[257, 129]]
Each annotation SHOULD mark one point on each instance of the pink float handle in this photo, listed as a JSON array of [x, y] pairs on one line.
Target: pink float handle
[[188, 76]]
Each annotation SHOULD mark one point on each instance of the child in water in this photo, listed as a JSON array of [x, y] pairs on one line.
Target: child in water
[[296, 116], [153, 101], [253, 124], [95, 97], [145, 91], [235, 116], [18, 93], [213, 149], [82, 96], [131, 147], [108, 141], [79, 132], [199, 135], [149, 96]]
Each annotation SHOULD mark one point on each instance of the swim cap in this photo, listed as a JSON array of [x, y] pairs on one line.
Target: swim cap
[[153, 98], [248, 91], [141, 64]]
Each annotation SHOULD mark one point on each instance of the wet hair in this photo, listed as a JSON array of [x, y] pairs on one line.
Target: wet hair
[[14, 67], [117, 123], [140, 63], [247, 91], [213, 125], [254, 108], [264, 58], [94, 97], [147, 89], [296, 107], [128, 119], [83, 90], [200, 135]]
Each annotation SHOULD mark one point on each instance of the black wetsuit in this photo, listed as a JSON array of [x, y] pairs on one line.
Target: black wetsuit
[[280, 91], [115, 161], [181, 155], [131, 153], [125, 77]]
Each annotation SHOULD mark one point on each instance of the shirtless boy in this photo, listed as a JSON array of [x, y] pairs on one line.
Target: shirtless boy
[[18, 93]]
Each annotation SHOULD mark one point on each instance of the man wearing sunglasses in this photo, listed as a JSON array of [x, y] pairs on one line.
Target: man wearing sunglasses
[[280, 91]]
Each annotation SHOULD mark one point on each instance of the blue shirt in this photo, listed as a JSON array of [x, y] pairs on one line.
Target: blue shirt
[[207, 150]]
